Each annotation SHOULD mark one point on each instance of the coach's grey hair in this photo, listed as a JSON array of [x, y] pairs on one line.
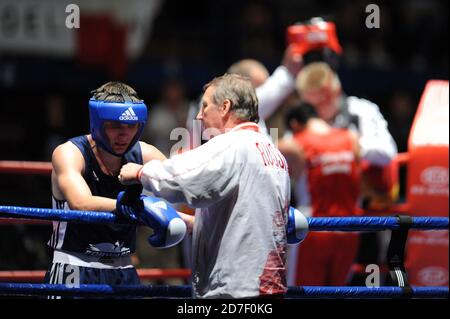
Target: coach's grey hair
[[240, 92]]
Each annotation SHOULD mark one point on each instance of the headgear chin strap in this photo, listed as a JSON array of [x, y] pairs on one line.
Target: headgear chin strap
[[123, 112]]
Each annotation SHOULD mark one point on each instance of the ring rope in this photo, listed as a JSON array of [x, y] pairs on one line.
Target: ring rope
[[95, 290], [186, 291], [144, 274], [24, 167], [59, 214], [315, 223], [356, 292], [373, 223]]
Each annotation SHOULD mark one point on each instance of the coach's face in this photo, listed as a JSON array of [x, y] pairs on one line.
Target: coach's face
[[211, 114]]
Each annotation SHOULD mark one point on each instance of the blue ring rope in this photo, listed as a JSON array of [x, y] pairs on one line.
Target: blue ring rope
[[186, 291], [315, 223], [58, 214], [25, 289], [373, 223], [365, 292]]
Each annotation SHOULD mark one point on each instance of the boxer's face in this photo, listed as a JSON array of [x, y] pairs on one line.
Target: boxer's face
[[210, 113], [120, 135]]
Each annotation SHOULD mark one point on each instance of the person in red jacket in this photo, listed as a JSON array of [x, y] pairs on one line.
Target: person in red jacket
[[329, 156]]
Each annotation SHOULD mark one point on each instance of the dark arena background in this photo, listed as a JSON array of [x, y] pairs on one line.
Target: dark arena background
[[54, 53]]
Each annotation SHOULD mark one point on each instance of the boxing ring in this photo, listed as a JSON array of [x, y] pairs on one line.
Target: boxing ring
[[398, 225]]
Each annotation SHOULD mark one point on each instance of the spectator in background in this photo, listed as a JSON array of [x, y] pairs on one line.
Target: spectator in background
[[258, 30], [402, 109], [55, 110], [253, 69], [168, 113]]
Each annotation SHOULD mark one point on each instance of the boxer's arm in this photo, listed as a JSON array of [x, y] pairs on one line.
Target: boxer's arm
[[149, 153], [279, 85], [67, 178], [273, 91]]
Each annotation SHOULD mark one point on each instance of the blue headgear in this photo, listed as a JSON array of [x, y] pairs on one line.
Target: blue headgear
[[124, 112]]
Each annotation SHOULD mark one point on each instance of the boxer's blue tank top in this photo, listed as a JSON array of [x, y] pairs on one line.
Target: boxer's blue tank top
[[92, 239]]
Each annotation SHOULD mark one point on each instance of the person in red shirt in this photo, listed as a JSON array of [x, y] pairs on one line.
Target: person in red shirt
[[329, 156]]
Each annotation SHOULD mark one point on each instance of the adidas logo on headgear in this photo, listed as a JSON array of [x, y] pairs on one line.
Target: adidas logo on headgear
[[128, 115]]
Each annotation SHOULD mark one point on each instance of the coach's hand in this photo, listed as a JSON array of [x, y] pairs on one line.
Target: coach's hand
[[297, 226]]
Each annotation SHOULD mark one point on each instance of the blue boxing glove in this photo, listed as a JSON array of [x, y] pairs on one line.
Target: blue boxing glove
[[297, 226], [129, 203], [169, 229]]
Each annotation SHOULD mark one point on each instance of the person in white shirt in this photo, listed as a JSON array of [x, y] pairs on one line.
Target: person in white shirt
[[239, 183]]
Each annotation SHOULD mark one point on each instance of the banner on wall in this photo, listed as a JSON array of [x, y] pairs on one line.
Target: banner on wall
[[43, 27]]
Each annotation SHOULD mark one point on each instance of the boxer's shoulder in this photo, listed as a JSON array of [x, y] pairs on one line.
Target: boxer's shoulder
[[150, 152], [67, 155]]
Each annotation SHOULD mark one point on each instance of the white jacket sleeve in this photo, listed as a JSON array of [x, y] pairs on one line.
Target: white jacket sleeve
[[273, 91], [377, 144], [198, 177]]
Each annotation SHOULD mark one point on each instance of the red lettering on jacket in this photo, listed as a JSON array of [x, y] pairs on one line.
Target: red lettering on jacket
[[271, 156]]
